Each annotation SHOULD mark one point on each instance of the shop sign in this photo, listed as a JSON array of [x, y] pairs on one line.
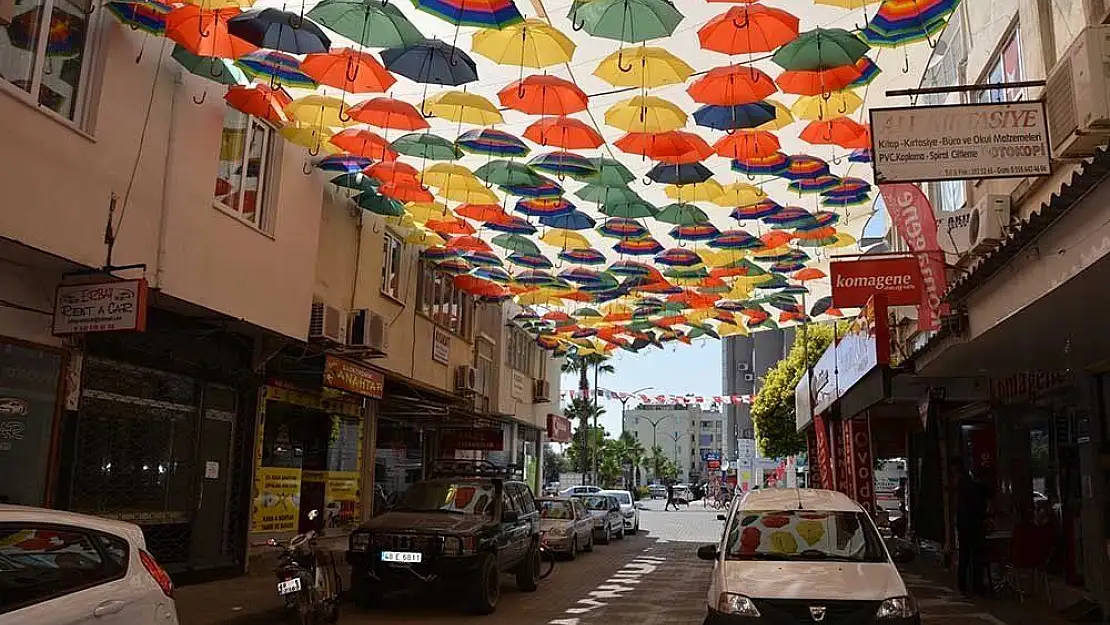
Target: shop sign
[[860, 462], [519, 388], [824, 453], [441, 346], [898, 278], [115, 306], [1026, 387], [824, 390], [354, 378], [865, 346], [914, 220], [558, 428], [961, 142], [472, 439], [277, 498], [803, 403]]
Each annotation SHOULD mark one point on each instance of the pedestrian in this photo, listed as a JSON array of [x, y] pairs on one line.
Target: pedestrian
[[972, 506], [670, 497]]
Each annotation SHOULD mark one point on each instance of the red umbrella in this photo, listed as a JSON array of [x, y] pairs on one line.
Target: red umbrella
[[861, 142], [260, 101], [364, 143], [393, 171], [468, 244], [732, 85], [481, 212], [349, 70], [388, 113], [204, 32], [544, 95], [447, 228], [748, 29], [818, 82], [747, 144], [479, 287], [839, 131], [675, 146], [564, 132], [406, 192]]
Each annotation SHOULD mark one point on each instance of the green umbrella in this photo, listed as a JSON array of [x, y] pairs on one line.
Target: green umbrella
[[372, 23], [748, 268], [379, 204], [427, 146], [508, 173], [222, 71], [516, 243], [821, 49], [637, 209], [682, 215], [607, 195], [687, 274], [631, 21], [357, 181], [610, 173]]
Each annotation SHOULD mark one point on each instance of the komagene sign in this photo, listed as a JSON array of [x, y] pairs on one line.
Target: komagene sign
[[896, 278]]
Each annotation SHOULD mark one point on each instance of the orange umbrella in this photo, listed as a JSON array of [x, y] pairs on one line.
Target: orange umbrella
[[861, 142], [406, 192], [694, 300], [349, 70], [564, 132], [364, 143], [544, 95], [393, 171], [204, 32], [469, 244], [748, 29], [819, 233], [776, 238], [732, 85], [481, 212], [388, 113], [818, 82], [445, 228], [809, 273], [747, 144], [577, 296], [260, 101], [674, 147], [479, 287], [840, 131]]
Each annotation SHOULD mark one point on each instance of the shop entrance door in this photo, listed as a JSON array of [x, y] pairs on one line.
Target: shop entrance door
[[217, 431]]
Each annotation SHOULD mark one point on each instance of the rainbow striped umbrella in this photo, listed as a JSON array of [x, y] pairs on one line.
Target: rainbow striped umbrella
[[678, 257], [346, 163], [869, 70], [545, 189], [645, 246], [563, 163], [789, 217], [511, 224], [848, 187], [901, 22], [846, 201], [804, 166], [542, 207], [621, 228], [491, 142], [148, 16], [532, 261], [698, 232], [481, 13], [822, 219], [773, 165], [574, 220], [862, 155], [583, 256], [534, 277], [736, 240], [763, 208], [630, 268], [581, 275], [817, 184], [278, 66], [493, 274], [480, 258], [439, 252], [454, 266]]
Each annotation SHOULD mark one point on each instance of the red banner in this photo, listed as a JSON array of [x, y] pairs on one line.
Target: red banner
[[823, 465], [558, 428], [898, 278], [861, 462], [912, 216]]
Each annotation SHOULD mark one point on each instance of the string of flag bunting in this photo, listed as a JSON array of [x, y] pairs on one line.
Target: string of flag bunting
[[687, 399]]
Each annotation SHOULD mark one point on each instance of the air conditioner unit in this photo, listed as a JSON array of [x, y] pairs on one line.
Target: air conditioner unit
[[327, 323], [749, 377], [368, 329], [742, 366], [1077, 97], [541, 393], [466, 379], [986, 228]]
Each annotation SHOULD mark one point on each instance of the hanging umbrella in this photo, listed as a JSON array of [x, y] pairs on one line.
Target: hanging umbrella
[[588, 256], [748, 29], [610, 173], [393, 171], [545, 188], [564, 132], [645, 114], [348, 70], [821, 49], [469, 245], [543, 207], [222, 71], [678, 257], [532, 262], [516, 243], [530, 43], [388, 113], [608, 194], [629, 21], [450, 227], [805, 166], [682, 214], [783, 117], [481, 212], [575, 220], [675, 146], [621, 228], [818, 82], [707, 191], [492, 142], [461, 107], [683, 174], [647, 67], [695, 232], [260, 101], [431, 62], [371, 23], [631, 268], [480, 13], [318, 111], [841, 131], [765, 207], [406, 192], [646, 246], [869, 70], [543, 95], [357, 181], [818, 184], [563, 164], [279, 30], [426, 146], [772, 165], [454, 266], [744, 144], [565, 239], [533, 277], [900, 22], [148, 16], [346, 163], [205, 33], [502, 172], [860, 156], [732, 85], [734, 117], [629, 210], [379, 204], [739, 194], [364, 143], [484, 258], [826, 107], [279, 67], [736, 240]]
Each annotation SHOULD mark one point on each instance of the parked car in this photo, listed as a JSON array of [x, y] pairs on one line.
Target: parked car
[[566, 525], [630, 510], [575, 491], [803, 555], [607, 518], [658, 491], [62, 568], [463, 528]]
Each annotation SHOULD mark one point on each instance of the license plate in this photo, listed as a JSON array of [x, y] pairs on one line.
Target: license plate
[[402, 557], [289, 586]]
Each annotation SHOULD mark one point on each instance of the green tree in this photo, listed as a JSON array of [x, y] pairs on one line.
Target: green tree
[[554, 463], [580, 365], [776, 431], [659, 462], [629, 455]]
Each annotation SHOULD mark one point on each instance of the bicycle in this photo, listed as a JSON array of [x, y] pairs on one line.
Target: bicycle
[[548, 556]]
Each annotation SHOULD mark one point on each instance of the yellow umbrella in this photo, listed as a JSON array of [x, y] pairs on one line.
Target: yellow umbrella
[[828, 106], [468, 194], [645, 114], [404, 221], [847, 4], [731, 329], [312, 137], [565, 239], [616, 309], [423, 212], [739, 194], [448, 174], [539, 297], [424, 238], [722, 259], [462, 107], [783, 117], [707, 191], [698, 316], [645, 67], [319, 111], [843, 239], [531, 43], [740, 290]]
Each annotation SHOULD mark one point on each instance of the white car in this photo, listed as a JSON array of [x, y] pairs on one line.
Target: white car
[[630, 510], [62, 568], [800, 555], [578, 491]]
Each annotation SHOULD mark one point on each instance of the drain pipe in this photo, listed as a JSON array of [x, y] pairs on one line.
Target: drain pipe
[[163, 215]]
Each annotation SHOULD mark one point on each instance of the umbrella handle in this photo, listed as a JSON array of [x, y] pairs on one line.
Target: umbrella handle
[[351, 77], [306, 168], [203, 95], [314, 150], [216, 69], [343, 116], [520, 89], [843, 108], [620, 62], [647, 181], [905, 63]]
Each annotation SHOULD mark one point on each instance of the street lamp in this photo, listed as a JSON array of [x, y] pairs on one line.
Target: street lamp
[[654, 432], [624, 404], [675, 436]]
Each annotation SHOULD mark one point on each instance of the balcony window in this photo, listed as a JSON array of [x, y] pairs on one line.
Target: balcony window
[[244, 176], [521, 352], [446, 305], [1007, 67], [391, 266], [45, 58]]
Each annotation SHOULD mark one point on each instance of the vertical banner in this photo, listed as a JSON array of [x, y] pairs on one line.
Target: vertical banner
[[861, 462], [840, 456], [913, 217], [823, 466]]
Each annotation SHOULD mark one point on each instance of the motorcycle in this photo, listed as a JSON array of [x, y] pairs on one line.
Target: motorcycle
[[307, 580]]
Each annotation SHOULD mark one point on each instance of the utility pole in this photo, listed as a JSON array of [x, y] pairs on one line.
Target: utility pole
[[624, 404], [594, 439], [676, 435]]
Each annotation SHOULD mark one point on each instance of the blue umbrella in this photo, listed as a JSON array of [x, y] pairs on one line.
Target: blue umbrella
[[491, 142], [279, 30], [546, 189], [345, 163], [686, 173], [734, 117], [574, 220], [511, 225], [431, 62]]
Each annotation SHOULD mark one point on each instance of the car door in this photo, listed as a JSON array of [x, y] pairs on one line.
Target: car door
[[526, 509], [583, 522], [615, 513], [506, 543], [68, 575]]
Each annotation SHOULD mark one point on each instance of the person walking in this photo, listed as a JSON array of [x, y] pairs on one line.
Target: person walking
[[972, 504], [670, 497]]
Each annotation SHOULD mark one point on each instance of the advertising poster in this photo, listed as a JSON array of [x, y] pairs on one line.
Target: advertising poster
[[277, 499]]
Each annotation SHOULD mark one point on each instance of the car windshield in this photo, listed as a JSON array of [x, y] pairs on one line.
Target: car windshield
[[595, 502], [801, 535], [560, 510], [447, 497], [624, 498]]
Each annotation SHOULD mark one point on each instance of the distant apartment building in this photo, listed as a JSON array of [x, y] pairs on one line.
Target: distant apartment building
[[744, 363], [684, 433]]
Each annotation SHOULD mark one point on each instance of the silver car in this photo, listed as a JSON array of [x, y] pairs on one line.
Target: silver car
[[630, 510], [566, 525], [607, 518]]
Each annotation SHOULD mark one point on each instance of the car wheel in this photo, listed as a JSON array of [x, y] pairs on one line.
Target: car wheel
[[589, 543], [528, 573], [485, 588], [605, 534], [573, 547]]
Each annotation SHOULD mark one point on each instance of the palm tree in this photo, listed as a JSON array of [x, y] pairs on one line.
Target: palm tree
[[632, 455], [659, 462], [583, 410], [580, 364]]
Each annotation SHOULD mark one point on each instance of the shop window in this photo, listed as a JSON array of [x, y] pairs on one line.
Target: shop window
[[29, 384], [52, 563], [398, 462], [243, 178], [392, 249], [949, 196], [447, 306], [1007, 67], [520, 351], [46, 58]]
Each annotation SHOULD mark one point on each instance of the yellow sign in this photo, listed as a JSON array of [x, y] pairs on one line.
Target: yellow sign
[[277, 495]]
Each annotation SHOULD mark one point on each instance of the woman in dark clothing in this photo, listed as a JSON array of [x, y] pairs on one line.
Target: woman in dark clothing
[[972, 506]]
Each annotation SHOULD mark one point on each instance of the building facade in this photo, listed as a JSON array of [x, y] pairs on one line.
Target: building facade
[[745, 361], [685, 435]]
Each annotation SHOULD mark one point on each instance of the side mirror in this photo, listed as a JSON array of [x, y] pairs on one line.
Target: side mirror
[[510, 516], [903, 555], [708, 552], [721, 517]]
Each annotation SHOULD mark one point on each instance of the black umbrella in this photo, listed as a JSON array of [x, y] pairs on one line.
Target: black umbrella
[[821, 306], [431, 62], [686, 173], [279, 30]]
